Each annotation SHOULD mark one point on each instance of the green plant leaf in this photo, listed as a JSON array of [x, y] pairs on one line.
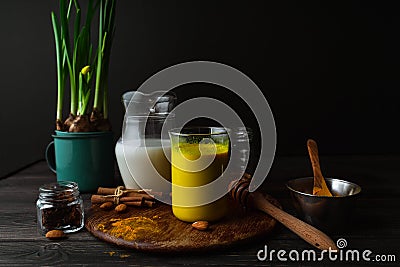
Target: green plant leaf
[[86, 101], [59, 59], [77, 25], [64, 16], [72, 57]]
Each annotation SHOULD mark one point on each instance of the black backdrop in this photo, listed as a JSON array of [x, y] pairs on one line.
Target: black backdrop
[[329, 69]]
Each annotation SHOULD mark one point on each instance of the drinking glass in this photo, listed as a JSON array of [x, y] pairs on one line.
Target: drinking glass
[[199, 156]]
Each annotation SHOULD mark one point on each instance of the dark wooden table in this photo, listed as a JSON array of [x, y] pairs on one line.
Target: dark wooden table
[[377, 227]]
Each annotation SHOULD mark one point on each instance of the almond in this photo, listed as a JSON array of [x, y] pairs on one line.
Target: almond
[[55, 234], [106, 205], [120, 208], [200, 225]]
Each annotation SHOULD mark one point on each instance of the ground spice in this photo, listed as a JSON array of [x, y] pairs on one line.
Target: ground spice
[[112, 253], [132, 228]]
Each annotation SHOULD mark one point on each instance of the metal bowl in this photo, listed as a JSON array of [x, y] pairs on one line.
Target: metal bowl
[[330, 214]]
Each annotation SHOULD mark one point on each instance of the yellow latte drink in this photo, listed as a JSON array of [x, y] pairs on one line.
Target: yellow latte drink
[[197, 162]]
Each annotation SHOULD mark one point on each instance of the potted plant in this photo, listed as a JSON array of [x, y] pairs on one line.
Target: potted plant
[[83, 142]]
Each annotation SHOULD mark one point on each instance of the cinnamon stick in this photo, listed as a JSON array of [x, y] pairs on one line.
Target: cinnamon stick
[[134, 203], [139, 198], [111, 191], [144, 203], [144, 195], [106, 191], [131, 199], [97, 199], [148, 203]]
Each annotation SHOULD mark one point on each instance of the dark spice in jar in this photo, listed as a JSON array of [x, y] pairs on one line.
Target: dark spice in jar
[[54, 218], [60, 207]]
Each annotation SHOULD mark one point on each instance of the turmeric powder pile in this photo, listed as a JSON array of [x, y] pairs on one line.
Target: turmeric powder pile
[[132, 228]]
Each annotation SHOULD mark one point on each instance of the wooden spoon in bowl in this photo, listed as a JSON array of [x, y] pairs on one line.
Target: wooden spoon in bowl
[[320, 188]]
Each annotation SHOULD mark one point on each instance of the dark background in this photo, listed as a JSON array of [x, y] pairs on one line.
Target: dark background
[[329, 70]]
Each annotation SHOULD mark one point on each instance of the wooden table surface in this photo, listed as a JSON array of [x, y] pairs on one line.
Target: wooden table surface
[[377, 227]]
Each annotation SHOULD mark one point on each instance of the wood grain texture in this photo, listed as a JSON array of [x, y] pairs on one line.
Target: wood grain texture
[[376, 226], [240, 225], [320, 188]]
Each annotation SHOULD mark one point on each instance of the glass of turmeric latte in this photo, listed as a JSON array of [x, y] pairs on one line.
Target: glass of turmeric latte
[[199, 156]]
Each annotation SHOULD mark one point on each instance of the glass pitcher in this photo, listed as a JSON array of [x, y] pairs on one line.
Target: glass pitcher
[[143, 150]]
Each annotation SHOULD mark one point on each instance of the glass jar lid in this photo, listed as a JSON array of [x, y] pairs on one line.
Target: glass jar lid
[[59, 191]]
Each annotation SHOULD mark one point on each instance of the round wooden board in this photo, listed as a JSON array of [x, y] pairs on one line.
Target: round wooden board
[[177, 236]]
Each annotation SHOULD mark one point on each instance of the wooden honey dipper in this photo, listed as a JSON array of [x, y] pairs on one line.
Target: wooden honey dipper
[[239, 192]]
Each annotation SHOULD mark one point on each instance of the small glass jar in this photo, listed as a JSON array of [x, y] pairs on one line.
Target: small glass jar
[[242, 138], [60, 207]]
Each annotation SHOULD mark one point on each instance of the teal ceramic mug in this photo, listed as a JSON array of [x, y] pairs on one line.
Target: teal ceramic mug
[[84, 158]]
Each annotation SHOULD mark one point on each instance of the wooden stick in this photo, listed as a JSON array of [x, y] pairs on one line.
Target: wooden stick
[[320, 188]]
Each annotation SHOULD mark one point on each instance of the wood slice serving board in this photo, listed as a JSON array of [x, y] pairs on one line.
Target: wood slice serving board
[[176, 236]]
